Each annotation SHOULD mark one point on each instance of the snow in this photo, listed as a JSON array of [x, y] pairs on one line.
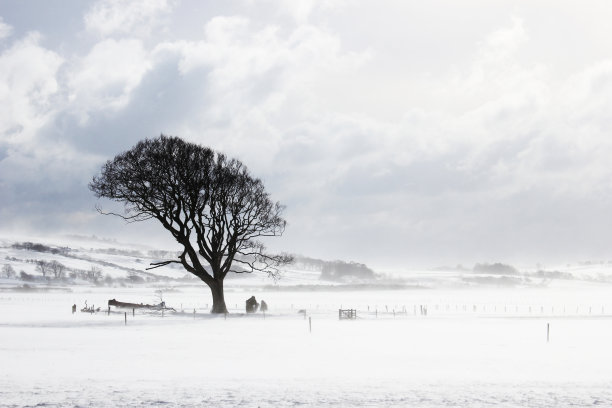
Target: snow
[[481, 344], [451, 357]]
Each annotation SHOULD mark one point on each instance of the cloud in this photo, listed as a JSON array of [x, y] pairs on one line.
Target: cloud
[[500, 45], [28, 85], [43, 183], [493, 145], [507, 156], [237, 51], [586, 97], [39, 176], [106, 76], [139, 17], [467, 160], [259, 80], [302, 10], [5, 29]]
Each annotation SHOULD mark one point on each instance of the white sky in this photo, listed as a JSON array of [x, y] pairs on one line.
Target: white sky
[[398, 133]]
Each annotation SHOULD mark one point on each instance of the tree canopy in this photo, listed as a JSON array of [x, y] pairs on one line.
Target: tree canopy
[[210, 204]]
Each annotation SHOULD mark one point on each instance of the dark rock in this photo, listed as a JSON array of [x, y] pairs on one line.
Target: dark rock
[[252, 305]]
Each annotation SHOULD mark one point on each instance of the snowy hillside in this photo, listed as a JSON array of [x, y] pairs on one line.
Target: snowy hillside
[[109, 263], [102, 262]]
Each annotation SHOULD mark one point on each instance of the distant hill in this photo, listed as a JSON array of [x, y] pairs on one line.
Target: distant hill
[[111, 263], [43, 263]]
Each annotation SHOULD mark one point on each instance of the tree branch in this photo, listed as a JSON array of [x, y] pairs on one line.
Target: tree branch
[[160, 264]]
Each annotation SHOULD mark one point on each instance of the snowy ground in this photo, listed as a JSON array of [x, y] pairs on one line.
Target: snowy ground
[[475, 348]]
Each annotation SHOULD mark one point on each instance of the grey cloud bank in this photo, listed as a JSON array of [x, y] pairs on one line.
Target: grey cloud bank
[[397, 133]]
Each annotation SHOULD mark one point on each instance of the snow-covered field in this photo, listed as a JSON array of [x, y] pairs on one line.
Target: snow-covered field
[[482, 341], [475, 348]]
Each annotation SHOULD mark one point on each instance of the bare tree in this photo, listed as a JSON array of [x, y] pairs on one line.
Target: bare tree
[[43, 267], [108, 280], [210, 204], [94, 274], [58, 269], [8, 271]]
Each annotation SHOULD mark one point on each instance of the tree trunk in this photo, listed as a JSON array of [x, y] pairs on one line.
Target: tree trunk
[[216, 287]]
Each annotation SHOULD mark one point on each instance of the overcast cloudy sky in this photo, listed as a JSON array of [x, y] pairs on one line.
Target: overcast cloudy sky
[[398, 133]]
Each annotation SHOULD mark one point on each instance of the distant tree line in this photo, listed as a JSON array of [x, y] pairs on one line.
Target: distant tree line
[[31, 246], [307, 263], [116, 251], [553, 275], [495, 268], [336, 270], [342, 271]]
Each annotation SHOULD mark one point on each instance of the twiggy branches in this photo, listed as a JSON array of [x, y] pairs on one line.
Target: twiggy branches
[[210, 204]]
